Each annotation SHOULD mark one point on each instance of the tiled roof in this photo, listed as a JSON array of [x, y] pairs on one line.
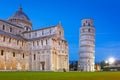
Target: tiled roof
[[11, 35], [41, 37], [21, 38], [10, 23], [39, 29]]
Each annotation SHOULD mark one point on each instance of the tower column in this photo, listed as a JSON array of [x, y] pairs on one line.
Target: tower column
[[86, 46]]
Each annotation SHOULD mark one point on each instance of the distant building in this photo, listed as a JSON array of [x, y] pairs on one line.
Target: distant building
[[114, 66], [24, 49], [86, 46]]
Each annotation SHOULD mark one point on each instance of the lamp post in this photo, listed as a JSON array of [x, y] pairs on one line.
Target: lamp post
[[111, 60]]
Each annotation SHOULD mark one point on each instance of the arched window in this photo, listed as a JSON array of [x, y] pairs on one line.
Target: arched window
[[83, 24], [38, 43], [13, 54], [88, 60], [29, 35], [59, 43], [10, 29], [17, 42], [2, 51], [3, 27], [22, 43], [50, 30], [88, 30], [34, 57], [83, 30], [4, 39], [35, 34], [46, 42], [19, 31], [23, 55], [33, 43], [60, 32], [27, 28], [42, 32], [41, 42], [10, 40], [88, 24]]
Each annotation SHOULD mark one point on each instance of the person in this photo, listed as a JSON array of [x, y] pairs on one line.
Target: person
[[64, 70]]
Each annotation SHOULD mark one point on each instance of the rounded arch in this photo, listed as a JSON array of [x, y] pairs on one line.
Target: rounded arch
[[27, 28]]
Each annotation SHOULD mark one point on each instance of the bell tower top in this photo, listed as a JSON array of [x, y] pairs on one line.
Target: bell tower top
[[87, 22]]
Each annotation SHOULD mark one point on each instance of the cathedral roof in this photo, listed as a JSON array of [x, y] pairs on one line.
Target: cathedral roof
[[10, 23], [38, 38], [20, 15], [11, 35], [22, 38]]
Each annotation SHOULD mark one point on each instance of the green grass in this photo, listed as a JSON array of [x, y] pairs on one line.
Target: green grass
[[59, 75]]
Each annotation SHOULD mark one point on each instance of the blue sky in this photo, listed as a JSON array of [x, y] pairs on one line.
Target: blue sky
[[43, 13]]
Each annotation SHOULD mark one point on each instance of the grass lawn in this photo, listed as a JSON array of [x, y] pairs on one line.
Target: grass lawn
[[59, 75]]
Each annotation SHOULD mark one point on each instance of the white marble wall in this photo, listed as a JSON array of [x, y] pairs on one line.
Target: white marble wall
[[15, 30], [40, 52], [87, 46]]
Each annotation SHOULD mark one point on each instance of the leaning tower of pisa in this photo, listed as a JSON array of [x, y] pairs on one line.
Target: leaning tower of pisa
[[86, 46]]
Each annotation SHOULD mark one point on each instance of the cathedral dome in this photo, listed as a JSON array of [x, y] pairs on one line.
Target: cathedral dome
[[21, 19], [20, 15]]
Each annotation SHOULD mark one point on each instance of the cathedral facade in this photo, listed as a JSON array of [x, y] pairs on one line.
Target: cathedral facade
[[24, 49]]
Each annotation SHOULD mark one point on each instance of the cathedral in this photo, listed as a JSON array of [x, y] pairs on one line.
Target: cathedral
[[24, 49]]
